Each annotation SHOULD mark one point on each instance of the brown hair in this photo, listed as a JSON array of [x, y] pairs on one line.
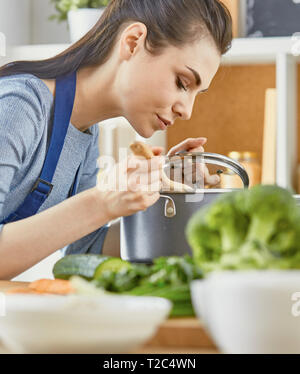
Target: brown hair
[[169, 22]]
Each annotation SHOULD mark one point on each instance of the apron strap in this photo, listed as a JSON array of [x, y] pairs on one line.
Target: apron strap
[[64, 102]]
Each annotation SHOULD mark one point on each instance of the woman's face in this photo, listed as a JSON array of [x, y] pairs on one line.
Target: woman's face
[[154, 88]]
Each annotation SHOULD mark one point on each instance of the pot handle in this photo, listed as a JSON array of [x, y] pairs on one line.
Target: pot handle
[[215, 159], [170, 207]]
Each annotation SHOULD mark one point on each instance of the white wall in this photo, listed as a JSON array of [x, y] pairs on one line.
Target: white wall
[[15, 21], [41, 270], [27, 22], [44, 31]]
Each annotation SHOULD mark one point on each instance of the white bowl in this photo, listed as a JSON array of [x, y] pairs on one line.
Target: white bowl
[[80, 324], [251, 311]]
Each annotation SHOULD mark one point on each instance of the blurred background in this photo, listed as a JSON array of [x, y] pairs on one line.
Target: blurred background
[[27, 22]]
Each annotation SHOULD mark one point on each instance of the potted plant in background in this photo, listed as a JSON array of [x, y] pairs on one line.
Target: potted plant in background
[[81, 15]]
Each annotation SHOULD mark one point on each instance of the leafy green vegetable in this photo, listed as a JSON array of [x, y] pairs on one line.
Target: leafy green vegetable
[[168, 277], [124, 279], [173, 271], [251, 229]]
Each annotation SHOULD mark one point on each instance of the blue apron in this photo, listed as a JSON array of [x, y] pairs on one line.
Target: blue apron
[[64, 102]]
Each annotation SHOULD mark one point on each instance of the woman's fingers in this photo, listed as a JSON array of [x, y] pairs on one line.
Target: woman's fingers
[[199, 174], [142, 201], [196, 150], [202, 176], [144, 182], [131, 186], [188, 145], [211, 180], [147, 176]]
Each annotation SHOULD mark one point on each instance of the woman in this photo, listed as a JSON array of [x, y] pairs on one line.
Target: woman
[[146, 60]]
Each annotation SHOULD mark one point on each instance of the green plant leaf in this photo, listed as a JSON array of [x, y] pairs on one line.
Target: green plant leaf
[[62, 7]]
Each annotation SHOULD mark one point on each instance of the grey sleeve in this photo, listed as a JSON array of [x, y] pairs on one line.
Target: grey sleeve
[[92, 243], [20, 112]]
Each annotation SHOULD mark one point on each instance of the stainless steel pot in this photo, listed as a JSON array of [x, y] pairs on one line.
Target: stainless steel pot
[[159, 231]]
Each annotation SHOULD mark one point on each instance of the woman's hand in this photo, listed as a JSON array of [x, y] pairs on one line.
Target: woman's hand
[[130, 186], [196, 173]]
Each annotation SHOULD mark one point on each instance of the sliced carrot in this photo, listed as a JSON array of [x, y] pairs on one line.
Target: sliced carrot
[[56, 286]]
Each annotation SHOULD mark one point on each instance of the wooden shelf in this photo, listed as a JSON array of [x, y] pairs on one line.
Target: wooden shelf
[[246, 51]]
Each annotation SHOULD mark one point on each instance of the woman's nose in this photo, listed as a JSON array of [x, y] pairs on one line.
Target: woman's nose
[[184, 109]]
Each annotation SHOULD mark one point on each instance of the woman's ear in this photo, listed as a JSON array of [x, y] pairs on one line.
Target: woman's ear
[[132, 40]]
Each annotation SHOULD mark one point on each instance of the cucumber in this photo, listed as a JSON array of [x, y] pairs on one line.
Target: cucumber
[[112, 264], [81, 265]]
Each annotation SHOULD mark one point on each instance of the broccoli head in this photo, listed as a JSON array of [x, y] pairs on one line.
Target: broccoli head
[[269, 208], [249, 229], [204, 241], [225, 216]]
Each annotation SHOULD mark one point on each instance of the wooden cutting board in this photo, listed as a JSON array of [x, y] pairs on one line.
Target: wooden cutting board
[[182, 334], [176, 335]]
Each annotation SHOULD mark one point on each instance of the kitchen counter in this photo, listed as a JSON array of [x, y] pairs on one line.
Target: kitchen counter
[[175, 336], [180, 336]]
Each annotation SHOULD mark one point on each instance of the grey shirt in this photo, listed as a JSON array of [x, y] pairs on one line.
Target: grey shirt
[[26, 115]]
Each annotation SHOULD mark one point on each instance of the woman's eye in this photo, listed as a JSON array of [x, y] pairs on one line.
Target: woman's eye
[[180, 84]]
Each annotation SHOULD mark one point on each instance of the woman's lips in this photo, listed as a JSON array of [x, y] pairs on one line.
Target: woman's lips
[[163, 123]]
